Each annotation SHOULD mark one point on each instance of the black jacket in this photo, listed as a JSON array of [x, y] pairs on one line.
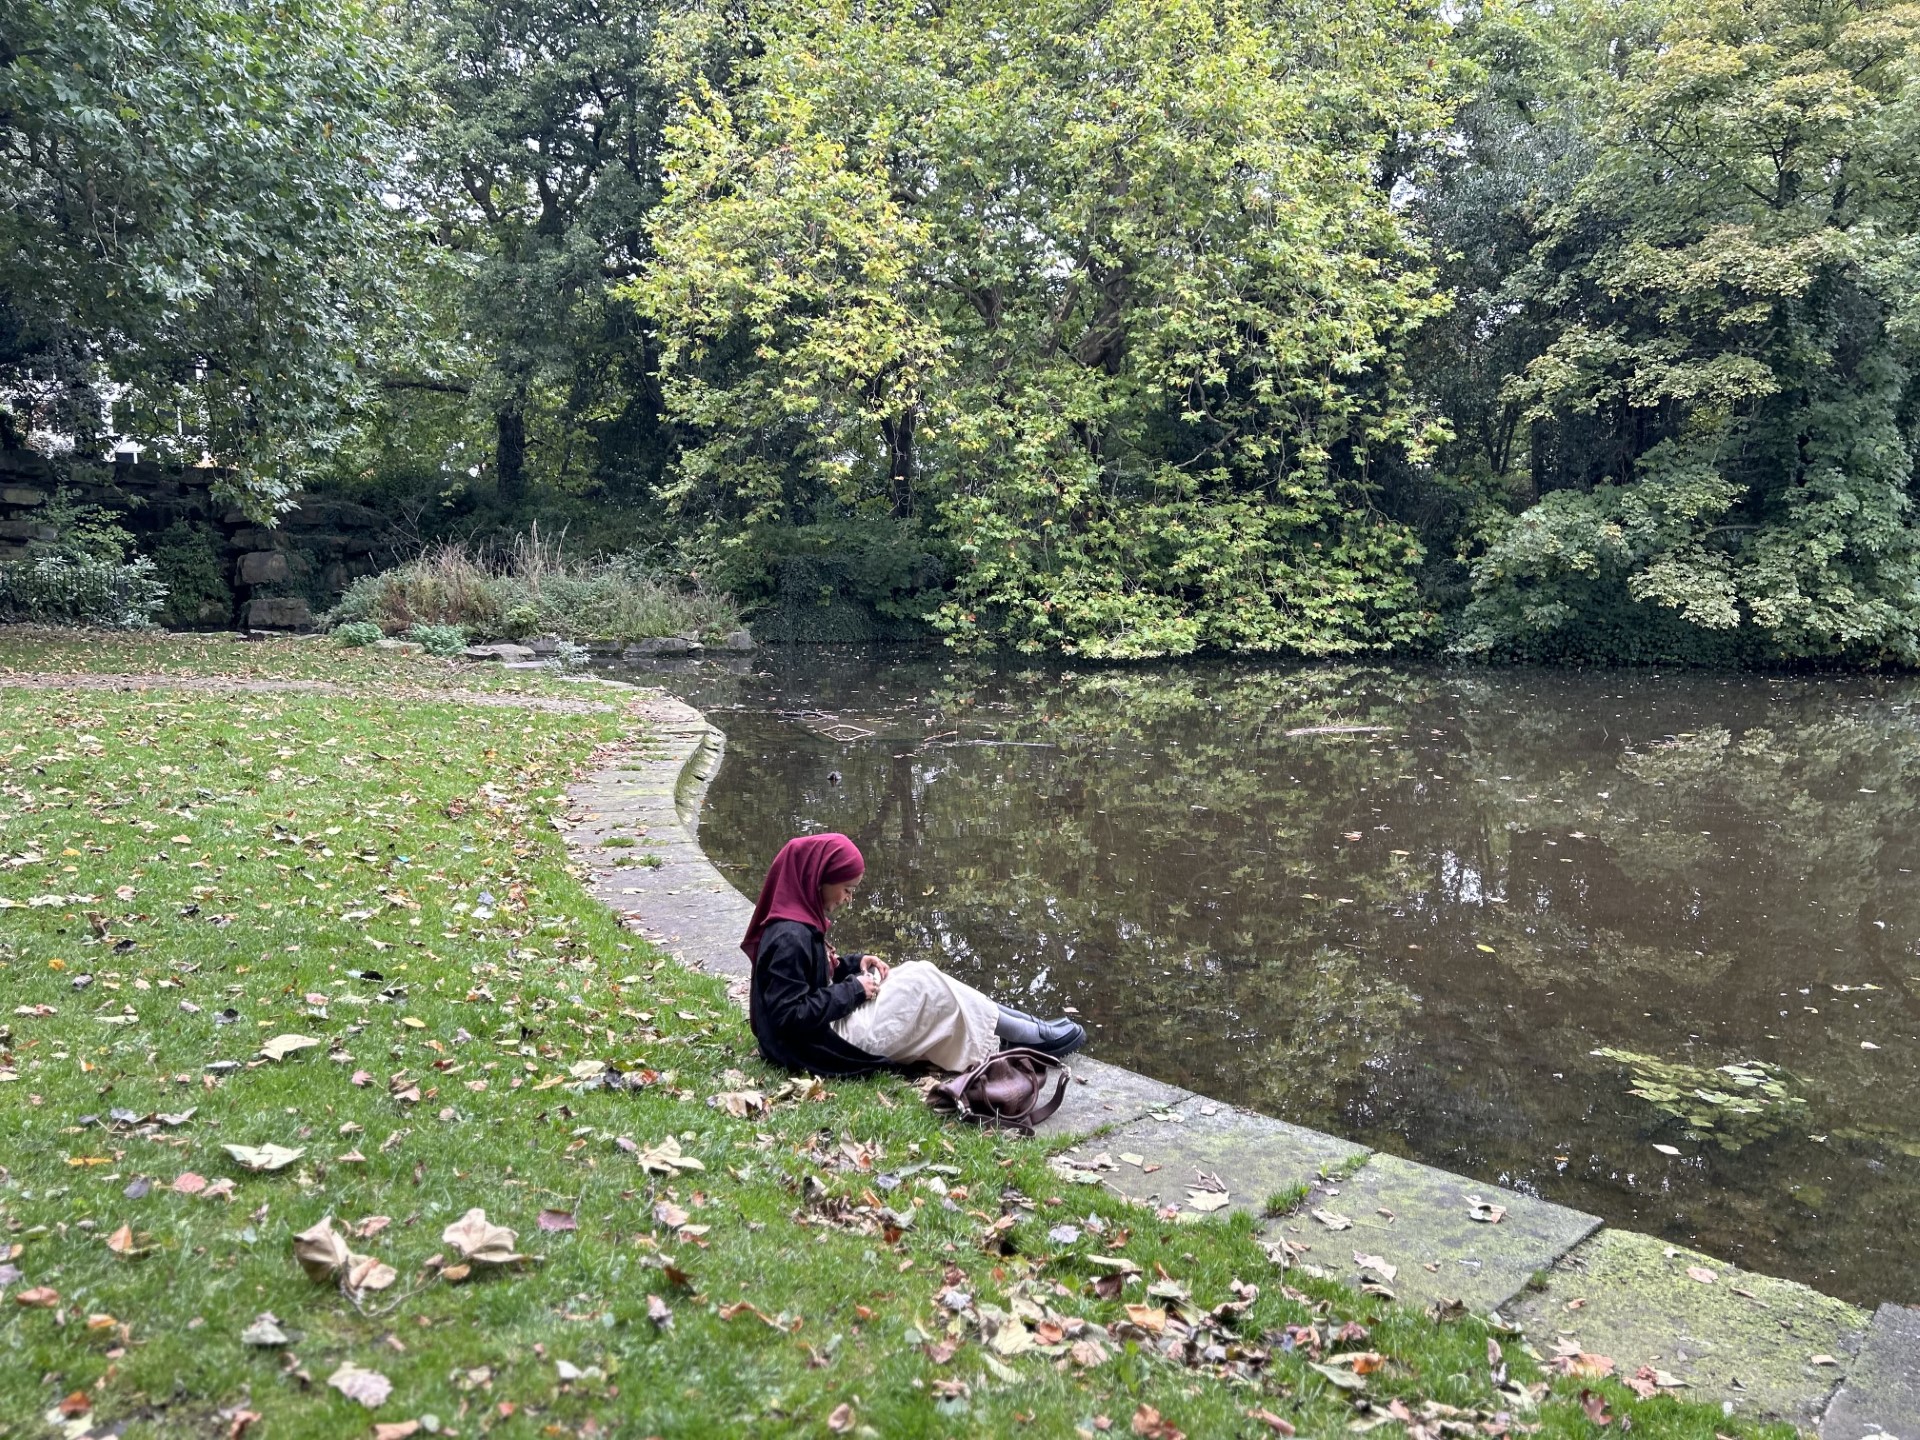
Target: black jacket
[[797, 995]]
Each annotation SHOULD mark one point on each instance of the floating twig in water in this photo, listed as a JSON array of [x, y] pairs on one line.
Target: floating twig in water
[[843, 732], [1337, 730], [987, 744]]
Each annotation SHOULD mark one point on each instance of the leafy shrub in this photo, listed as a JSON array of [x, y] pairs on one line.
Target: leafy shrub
[[533, 588], [83, 576], [58, 589], [357, 634], [86, 532], [438, 639], [188, 562]]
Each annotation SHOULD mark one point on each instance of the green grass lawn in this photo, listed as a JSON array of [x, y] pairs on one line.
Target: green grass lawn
[[188, 875]]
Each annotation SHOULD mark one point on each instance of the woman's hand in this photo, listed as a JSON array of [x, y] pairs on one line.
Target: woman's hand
[[869, 982], [873, 965]]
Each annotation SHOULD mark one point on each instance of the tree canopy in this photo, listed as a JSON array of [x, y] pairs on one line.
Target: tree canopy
[[194, 224], [1099, 327]]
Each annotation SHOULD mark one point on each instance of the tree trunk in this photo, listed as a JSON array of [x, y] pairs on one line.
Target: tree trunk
[[510, 454], [898, 434]]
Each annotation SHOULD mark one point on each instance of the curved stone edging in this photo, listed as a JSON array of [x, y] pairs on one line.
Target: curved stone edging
[[1641, 1301]]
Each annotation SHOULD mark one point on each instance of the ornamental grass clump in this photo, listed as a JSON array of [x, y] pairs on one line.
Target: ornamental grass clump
[[534, 588]]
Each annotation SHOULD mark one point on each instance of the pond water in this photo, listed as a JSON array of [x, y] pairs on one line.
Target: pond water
[[1456, 915]]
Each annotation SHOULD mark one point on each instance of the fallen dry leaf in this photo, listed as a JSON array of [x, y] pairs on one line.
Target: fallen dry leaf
[[1150, 1318], [1331, 1220], [480, 1241], [1206, 1200], [189, 1184], [666, 1159], [1148, 1423], [364, 1272], [1376, 1263], [659, 1312], [1596, 1407], [322, 1253], [739, 1103], [841, 1420], [1273, 1422], [1485, 1211], [265, 1331], [369, 1387], [121, 1242], [281, 1046], [398, 1430], [263, 1157], [41, 1297], [1342, 1379], [1702, 1274], [558, 1220]]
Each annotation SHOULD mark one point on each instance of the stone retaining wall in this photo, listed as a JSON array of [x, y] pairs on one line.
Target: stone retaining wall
[[271, 578], [1757, 1345]]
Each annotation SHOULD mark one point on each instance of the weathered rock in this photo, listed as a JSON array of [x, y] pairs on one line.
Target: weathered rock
[[263, 567], [737, 640], [545, 644], [501, 651], [277, 612], [27, 530], [656, 645], [602, 646], [22, 495]]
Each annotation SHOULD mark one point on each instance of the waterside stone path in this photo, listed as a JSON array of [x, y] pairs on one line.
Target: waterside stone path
[[1759, 1346]]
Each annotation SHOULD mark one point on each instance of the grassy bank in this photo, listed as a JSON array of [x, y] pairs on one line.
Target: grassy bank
[[190, 875]]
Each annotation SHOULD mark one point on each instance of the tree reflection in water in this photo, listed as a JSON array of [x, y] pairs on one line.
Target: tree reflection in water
[[1415, 935]]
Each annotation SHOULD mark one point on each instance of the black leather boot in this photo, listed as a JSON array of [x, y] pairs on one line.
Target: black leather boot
[[1052, 1037]]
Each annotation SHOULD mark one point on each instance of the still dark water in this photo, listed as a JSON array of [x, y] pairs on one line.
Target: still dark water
[[1416, 934]]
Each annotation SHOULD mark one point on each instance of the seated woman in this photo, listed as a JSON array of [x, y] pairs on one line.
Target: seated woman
[[850, 1015]]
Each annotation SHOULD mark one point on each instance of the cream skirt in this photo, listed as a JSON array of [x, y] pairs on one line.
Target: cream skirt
[[924, 1015]]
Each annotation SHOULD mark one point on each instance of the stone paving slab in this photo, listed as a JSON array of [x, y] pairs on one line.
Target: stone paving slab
[[1253, 1155], [1881, 1396], [1103, 1095], [1754, 1350], [1418, 1219], [681, 903]]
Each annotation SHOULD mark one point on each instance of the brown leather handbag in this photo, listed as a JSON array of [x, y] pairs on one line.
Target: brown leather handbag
[[1007, 1091]]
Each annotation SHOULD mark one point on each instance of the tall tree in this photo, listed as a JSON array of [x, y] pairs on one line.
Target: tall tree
[[1105, 297], [540, 167], [1713, 389], [192, 224]]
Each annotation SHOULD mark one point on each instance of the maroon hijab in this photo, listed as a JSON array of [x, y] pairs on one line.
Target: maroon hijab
[[791, 890]]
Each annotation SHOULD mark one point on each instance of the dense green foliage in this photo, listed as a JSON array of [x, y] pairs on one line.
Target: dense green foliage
[[1705, 324], [1113, 328], [191, 224], [86, 575], [1105, 298]]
